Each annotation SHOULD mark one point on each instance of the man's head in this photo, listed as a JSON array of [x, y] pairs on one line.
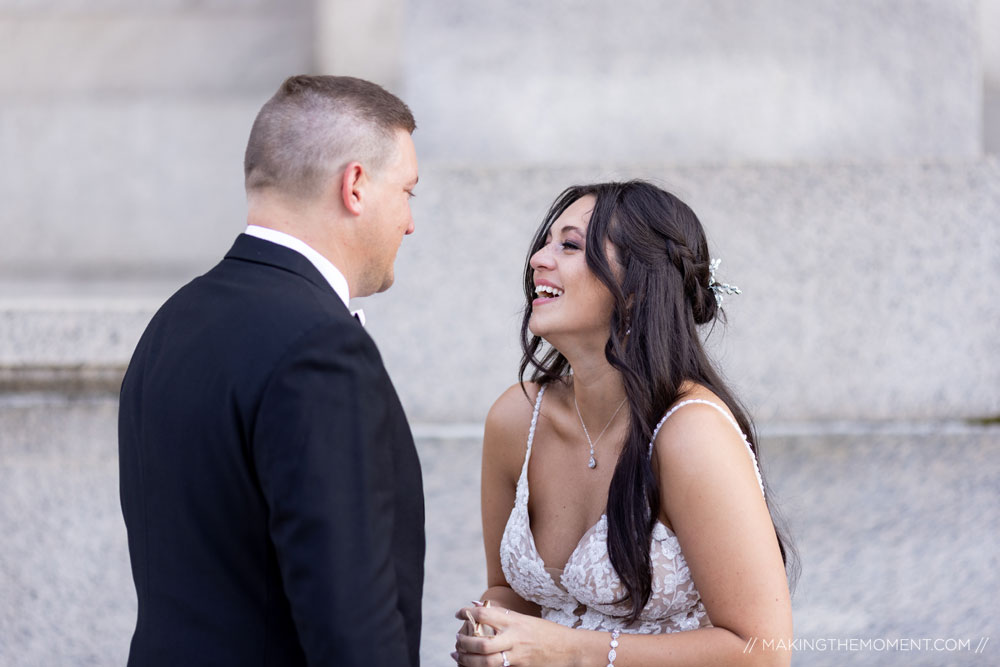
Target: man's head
[[330, 160]]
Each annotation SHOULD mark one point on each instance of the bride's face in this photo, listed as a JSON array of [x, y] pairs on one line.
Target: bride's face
[[569, 298]]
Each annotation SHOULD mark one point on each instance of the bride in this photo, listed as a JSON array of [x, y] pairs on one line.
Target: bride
[[624, 517]]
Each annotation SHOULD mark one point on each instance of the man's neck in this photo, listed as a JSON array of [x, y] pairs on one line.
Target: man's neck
[[308, 226]]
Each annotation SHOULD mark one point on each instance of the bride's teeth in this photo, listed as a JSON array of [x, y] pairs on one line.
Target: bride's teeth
[[546, 289]]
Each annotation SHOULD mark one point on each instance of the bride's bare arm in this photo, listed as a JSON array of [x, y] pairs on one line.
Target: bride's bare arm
[[504, 444]]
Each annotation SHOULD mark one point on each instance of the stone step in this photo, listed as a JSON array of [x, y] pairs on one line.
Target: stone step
[[869, 290], [892, 528]]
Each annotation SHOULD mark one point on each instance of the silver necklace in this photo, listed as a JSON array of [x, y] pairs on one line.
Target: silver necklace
[[592, 463]]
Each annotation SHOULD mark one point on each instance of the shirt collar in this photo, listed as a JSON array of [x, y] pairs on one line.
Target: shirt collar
[[329, 272]]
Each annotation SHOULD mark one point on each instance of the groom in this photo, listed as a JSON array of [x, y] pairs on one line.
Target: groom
[[269, 482]]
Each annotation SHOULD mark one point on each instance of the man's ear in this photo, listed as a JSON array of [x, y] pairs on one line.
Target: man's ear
[[352, 180]]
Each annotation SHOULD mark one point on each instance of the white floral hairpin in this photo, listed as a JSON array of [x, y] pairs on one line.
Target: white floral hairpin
[[718, 289]]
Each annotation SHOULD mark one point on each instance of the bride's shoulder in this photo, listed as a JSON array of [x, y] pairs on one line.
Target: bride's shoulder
[[699, 433], [696, 393], [511, 412], [505, 435], [697, 408], [515, 407]]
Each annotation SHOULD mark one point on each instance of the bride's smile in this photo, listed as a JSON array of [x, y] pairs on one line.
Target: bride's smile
[[569, 298]]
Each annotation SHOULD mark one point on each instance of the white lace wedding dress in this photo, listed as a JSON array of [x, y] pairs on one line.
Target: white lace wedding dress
[[583, 594]]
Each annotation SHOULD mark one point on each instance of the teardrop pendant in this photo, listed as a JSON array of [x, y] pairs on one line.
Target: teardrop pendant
[[592, 463]]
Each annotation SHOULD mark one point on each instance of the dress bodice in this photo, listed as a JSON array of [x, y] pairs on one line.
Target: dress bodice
[[584, 593]]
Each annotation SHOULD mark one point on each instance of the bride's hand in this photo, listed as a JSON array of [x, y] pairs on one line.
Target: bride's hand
[[469, 626], [521, 640]]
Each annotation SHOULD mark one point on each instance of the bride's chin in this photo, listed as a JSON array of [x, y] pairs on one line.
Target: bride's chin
[[546, 336], [554, 336], [534, 329], [540, 331]]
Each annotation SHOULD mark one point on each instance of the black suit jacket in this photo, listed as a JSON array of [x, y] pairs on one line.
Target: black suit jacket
[[269, 482]]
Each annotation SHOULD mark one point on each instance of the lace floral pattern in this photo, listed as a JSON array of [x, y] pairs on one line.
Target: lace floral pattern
[[585, 596], [518, 553]]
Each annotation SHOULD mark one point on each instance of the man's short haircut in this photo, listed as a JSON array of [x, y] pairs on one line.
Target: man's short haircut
[[314, 126]]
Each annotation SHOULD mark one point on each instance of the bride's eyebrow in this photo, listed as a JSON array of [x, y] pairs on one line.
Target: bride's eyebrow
[[563, 230]]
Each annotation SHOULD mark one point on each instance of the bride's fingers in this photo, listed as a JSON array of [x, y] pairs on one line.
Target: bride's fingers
[[481, 646], [466, 629], [471, 627], [478, 660], [497, 618], [461, 614]]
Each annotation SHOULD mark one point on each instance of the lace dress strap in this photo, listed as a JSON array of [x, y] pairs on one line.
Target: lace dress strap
[[534, 420], [521, 494], [724, 413]]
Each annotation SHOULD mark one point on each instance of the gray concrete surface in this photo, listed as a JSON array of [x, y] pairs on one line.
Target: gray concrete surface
[[130, 179], [128, 122], [128, 184], [361, 39], [869, 290], [117, 116], [834, 151], [896, 529], [82, 53], [693, 80], [989, 22]]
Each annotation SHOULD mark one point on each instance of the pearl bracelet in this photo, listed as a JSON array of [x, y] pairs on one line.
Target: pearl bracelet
[[612, 654]]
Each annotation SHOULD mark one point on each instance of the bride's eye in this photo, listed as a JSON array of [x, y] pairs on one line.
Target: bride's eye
[[570, 245]]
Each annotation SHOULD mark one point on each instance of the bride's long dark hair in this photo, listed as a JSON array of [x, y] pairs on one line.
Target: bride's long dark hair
[[660, 300]]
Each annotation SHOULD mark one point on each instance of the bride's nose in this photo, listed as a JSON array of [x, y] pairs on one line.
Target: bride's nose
[[542, 259]]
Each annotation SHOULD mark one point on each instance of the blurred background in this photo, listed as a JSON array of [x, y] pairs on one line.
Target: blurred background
[[842, 155]]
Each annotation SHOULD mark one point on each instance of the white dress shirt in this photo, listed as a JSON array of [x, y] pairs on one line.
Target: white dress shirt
[[330, 272]]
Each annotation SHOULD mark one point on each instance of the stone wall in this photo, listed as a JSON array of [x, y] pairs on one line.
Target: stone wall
[[889, 524], [123, 125], [989, 21], [842, 156], [648, 82], [833, 149]]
